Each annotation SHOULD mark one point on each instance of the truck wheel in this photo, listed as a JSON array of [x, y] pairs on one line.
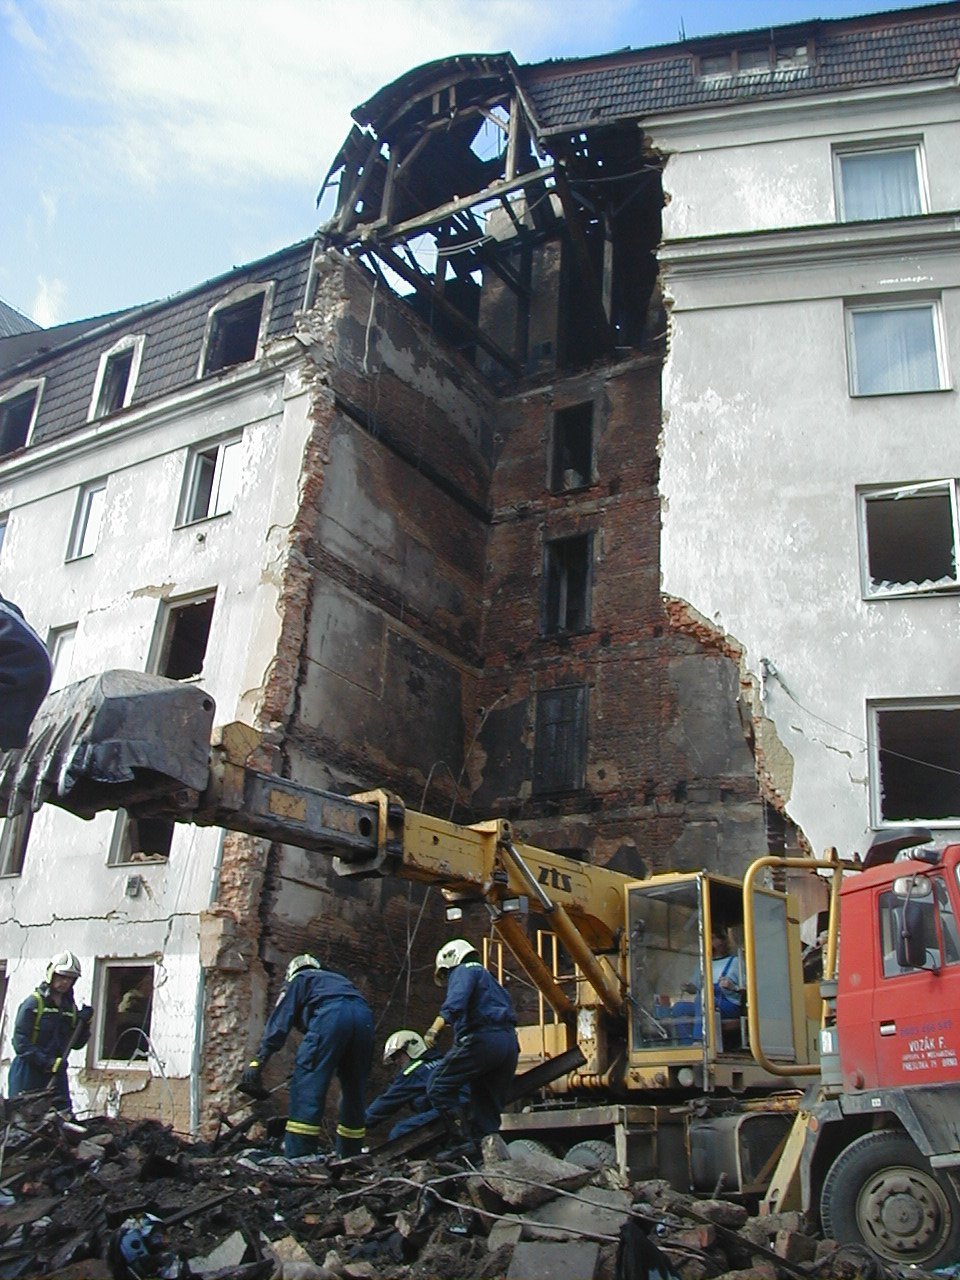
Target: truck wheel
[[593, 1154], [521, 1147], [881, 1192]]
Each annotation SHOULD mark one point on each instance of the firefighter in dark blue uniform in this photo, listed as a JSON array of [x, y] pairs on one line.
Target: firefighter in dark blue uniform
[[48, 1025], [485, 1049], [408, 1088], [337, 1028]]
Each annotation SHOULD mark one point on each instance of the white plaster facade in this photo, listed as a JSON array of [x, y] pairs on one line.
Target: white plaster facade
[[68, 896], [764, 447]]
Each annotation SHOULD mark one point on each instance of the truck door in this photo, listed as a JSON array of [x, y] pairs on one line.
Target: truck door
[[916, 1011]]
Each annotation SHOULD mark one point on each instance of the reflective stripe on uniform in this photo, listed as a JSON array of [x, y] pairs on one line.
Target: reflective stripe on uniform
[[43, 1008], [413, 1066], [298, 1126], [344, 1132]]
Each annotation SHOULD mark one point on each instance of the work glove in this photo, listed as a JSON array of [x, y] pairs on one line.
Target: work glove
[[85, 1014], [250, 1081], [430, 1036]]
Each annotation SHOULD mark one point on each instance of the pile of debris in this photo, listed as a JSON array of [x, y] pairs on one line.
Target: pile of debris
[[114, 1199]]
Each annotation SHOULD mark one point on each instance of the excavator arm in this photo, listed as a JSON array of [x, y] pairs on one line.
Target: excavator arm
[[143, 743]]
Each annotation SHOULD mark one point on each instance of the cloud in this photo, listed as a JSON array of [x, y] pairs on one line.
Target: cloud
[[48, 302], [234, 91]]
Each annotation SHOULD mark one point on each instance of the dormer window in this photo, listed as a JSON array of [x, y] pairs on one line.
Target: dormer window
[[116, 377], [18, 415], [235, 329]]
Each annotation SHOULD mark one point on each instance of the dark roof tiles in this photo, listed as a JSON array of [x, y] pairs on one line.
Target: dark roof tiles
[[846, 56]]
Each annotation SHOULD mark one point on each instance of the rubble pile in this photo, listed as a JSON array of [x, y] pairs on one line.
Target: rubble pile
[[115, 1199]]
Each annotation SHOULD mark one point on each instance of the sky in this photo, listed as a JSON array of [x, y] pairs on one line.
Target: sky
[[149, 145]]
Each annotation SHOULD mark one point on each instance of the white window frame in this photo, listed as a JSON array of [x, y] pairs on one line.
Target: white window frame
[[232, 299], [192, 477], [867, 495], [102, 967], [874, 706], [56, 637], [14, 839], [160, 645], [884, 145], [134, 340], [81, 521], [906, 303], [14, 393]]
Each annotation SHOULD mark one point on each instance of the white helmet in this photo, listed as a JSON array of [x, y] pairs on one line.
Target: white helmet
[[449, 956], [305, 961], [65, 964], [409, 1041]]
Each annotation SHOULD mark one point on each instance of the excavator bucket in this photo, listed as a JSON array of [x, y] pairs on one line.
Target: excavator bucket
[[114, 740]]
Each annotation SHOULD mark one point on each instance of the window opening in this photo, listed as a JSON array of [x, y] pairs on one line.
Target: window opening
[[567, 565], [911, 539], [916, 772], [116, 379], [560, 740], [212, 479], [141, 840], [4, 521], [14, 834], [234, 334], [16, 417], [879, 183], [60, 646], [87, 521], [572, 463], [186, 633], [894, 349], [127, 1012]]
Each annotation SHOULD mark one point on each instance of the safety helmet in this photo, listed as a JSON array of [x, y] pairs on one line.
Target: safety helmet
[[305, 961], [409, 1041], [450, 955], [64, 964]]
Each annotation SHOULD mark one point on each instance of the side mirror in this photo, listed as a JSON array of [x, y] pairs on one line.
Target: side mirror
[[909, 942]]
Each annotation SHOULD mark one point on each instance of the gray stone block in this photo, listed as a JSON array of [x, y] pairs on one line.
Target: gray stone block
[[542, 1260]]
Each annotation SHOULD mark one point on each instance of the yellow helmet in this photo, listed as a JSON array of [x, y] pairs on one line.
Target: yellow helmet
[[409, 1041], [450, 955], [64, 964]]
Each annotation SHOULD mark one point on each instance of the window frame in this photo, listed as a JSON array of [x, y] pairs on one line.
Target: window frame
[[55, 638], [4, 528], [550, 544], [191, 480], [23, 388], [868, 494], [933, 305], [566, 414], [103, 965], [880, 146], [81, 521], [236, 298], [137, 858], [134, 341], [539, 782], [874, 707], [160, 647]]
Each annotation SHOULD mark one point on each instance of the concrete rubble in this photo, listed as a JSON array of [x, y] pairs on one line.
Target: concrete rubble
[[111, 1198]]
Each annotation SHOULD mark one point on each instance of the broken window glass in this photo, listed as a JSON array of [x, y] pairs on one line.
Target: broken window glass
[[917, 763], [126, 1012], [911, 539], [566, 573], [572, 463], [186, 633]]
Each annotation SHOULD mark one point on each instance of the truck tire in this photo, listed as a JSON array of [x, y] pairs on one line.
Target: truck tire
[[593, 1154], [881, 1192], [521, 1147]]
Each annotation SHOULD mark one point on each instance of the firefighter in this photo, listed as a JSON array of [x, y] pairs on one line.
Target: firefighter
[[408, 1088], [48, 1026], [485, 1048], [337, 1028]]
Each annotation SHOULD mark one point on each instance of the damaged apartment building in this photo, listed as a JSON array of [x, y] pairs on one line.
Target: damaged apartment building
[[594, 466]]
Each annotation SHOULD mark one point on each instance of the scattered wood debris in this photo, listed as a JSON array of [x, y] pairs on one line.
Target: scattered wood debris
[[111, 1199]]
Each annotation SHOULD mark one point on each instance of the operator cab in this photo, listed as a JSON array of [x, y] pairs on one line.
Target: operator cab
[[688, 979]]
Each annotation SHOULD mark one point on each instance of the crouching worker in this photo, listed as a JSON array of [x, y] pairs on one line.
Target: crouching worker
[[485, 1050], [408, 1089], [48, 1026], [337, 1028]]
